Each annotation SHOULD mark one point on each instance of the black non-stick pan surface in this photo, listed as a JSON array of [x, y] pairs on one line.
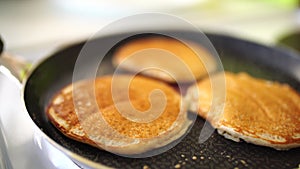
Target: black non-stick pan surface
[[217, 152]]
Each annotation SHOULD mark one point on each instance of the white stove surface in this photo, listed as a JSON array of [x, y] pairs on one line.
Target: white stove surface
[[25, 146]]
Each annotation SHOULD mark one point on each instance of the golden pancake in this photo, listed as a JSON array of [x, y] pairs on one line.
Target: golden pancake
[[169, 59], [135, 138], [257, 111], [100, 123]]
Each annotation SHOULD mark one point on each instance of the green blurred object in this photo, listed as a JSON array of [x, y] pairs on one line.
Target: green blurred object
[[291, 40], [284, 3]]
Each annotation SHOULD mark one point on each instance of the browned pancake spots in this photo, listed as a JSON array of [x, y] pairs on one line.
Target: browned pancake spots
[[188, 53], [143, 130], [257, 108], [63, 113]]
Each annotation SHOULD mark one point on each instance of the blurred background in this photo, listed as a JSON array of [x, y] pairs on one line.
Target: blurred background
[[32, 27]]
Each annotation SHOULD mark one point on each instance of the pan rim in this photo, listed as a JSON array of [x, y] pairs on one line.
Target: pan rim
[[77, 157], [71, 155]]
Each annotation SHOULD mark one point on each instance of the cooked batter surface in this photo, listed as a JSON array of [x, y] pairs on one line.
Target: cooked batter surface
[[258, 111]]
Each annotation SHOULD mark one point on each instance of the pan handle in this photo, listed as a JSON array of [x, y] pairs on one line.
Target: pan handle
[[12, 67]]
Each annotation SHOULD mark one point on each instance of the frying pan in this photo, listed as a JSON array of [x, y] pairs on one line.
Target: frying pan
[[217, 152]]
